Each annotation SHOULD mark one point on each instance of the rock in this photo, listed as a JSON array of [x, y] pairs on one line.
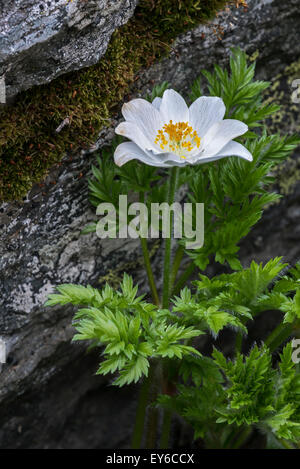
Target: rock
[[48, 394], [40, 40]]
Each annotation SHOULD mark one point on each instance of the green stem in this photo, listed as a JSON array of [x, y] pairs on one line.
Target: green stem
[[238, 342], [147, 263], [242, 438], [184, 277], [229, 439], [167, 259], [286, 444], [167, 419], [149, 271], [152, 423], [152, 429], [168, 281], [176, 264], [141, 413], [279, 335]]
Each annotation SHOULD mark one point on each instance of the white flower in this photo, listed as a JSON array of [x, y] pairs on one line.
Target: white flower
[[168, 133]]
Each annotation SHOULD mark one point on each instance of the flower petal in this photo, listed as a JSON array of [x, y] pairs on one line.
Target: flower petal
[[128, 151], [134, 133], [144, 115], [173, 107], [231, 149], [157, 103], [204, 112], [220, 134], [235, 149], [170, 159]]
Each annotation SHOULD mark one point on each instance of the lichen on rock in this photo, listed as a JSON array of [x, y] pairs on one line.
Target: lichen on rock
[[41, 40]]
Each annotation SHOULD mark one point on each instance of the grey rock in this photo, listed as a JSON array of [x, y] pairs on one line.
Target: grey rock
[[40, 40], [48, 394]]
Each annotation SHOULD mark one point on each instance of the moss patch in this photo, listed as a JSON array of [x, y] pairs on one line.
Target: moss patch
[[29, 143]]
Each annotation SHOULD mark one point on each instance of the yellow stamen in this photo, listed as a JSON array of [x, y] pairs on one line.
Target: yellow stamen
[[177, 138]]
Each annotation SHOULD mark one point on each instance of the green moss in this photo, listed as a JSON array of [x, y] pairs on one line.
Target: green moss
[[168, 18], [29, 144]]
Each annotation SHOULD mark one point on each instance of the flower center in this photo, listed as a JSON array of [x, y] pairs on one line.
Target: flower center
[[178, 138]]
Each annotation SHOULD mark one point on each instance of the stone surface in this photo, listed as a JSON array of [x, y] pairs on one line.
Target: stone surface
[[40, 40], [48, 394]]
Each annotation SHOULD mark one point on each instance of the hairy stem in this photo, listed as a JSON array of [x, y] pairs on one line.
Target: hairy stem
[[147, 263], [167, 419], [168, 281], [176, 265], [152, 429], [149, 271], [242, 438], [279, 335], [167, 259], [238, 342], [184, 277], [152, 423], [141, 413]]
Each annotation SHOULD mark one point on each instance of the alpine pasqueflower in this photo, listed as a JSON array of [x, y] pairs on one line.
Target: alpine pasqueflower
[[167, 133]]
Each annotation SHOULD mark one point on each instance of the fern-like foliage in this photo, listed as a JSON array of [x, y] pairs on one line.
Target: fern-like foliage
[[233, 299], [244, 392], [258, 394], [284, 296], [209, 313], [132, 331]]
